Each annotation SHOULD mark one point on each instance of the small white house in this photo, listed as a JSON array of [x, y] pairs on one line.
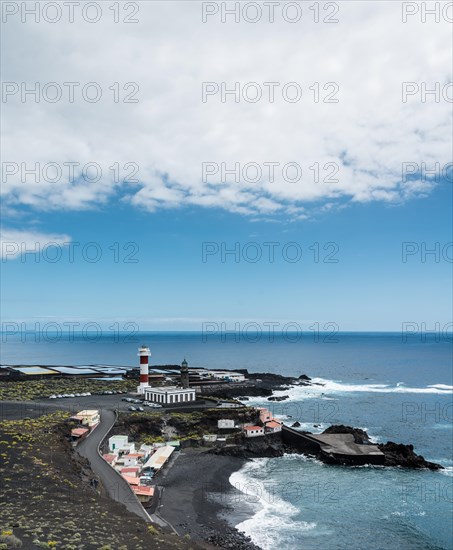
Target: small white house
[[130, 460], [116, 442], [146, 449], [127, 448], [253, 431], [273, 426], [225, 424]]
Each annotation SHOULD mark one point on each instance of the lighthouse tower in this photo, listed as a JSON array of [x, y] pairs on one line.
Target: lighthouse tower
[[184, 374], [144, 353]]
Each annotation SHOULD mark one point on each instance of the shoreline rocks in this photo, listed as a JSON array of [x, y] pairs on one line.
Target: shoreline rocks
[[259, 384], [272, 446], [398, 454]]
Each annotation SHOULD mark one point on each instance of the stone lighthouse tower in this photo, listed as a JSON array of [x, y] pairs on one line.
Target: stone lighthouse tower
[[184, 374]]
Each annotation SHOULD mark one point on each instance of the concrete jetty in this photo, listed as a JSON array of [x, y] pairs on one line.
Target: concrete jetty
[[335, 448]]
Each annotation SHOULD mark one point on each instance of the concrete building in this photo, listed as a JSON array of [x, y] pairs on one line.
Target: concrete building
[[227, 375], [79, 433], [88, 418], [225, 424], [253, 431], [132, 459], [116, 442], [273, 427], [169, 395], [143, 492], [127, 448], [229, 405], [146, 450], [132, 471], [110, 458], [159, 458], [265, 414]]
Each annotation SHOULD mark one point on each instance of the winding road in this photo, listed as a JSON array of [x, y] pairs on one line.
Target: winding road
[[117, 488]]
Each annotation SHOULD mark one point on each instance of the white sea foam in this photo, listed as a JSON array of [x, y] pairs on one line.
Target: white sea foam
[[273, 520], [441, 387], [326, 389], [447, 471]]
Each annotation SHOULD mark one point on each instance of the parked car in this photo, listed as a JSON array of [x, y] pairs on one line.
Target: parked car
[[131, 409], [52, 396], [141, 409]]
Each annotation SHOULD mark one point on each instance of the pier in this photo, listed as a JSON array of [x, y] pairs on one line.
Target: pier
[[335, 448]]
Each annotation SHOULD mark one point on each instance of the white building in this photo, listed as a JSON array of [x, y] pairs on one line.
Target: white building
[[273, 426], [88, 417], [127, 448], [227, 375], [253, 431], [168, 395], [225, 424], [146, 449], [116, 442], [159, 458]]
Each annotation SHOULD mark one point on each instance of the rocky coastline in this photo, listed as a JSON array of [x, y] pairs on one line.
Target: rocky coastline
[[259, 384], [395, 454]]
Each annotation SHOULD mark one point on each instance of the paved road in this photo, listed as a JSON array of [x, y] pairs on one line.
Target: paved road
[[18, 410], [116, 487]]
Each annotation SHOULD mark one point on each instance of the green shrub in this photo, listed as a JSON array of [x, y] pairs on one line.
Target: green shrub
[[11, 541]]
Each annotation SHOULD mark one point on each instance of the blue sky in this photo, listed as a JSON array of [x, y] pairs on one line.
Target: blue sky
[[172, 131], [171, 288]]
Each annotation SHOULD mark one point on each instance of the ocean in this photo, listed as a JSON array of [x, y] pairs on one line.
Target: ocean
[[397, 389]]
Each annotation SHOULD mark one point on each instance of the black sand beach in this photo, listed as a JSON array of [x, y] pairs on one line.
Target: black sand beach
[[185, 502]]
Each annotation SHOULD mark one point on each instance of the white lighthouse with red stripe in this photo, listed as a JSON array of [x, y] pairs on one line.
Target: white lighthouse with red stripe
[[144, 353]]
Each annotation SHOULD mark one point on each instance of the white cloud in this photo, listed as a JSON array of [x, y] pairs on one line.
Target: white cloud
[[14, 243], [170, 132]]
